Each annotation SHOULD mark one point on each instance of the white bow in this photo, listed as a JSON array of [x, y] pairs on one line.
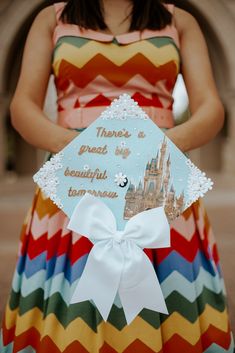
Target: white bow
[[116, 262]]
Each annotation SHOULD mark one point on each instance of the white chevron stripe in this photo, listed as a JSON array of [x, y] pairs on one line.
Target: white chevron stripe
[[186, 227], [58, 222], [50, 225], [39, 226], [177, 282]]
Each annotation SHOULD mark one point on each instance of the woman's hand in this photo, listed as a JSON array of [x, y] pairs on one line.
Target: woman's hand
[[172, 134], [69, 135]]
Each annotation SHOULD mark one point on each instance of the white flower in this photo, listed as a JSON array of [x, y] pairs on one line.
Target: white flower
[[122, 143], [86, 167], [122, 108], [120, 179], [198, 183], [47, 179]]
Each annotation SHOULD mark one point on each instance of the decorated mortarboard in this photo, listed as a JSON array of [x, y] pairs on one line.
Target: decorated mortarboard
[[122, 182]]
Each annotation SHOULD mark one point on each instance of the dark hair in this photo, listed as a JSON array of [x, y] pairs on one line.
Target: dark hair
[[151, 14]]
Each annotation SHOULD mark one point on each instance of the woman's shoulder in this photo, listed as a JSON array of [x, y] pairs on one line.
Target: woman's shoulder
[[184, 20], [48, 16]]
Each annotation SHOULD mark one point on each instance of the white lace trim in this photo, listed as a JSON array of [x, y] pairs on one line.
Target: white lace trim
[[122, 108], [47, 180], [198, 184]]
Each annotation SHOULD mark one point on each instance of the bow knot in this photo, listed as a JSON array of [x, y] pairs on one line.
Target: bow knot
[[118, 236], [116, 262]]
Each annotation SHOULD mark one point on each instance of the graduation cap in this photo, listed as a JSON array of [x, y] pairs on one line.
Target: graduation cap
[[121, 182]]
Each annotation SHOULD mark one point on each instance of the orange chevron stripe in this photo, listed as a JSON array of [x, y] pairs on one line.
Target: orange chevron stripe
[[199, 211], [43, 205]]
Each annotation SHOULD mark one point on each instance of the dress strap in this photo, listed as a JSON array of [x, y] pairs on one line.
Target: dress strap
[[58, 6], [171, 8], [59, 28]]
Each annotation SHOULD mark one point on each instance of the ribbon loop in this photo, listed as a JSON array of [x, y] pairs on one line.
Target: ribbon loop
[[117, 262]]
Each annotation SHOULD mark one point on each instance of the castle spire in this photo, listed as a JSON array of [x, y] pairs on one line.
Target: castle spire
[[131, 187], [163, 149], [157, 159]]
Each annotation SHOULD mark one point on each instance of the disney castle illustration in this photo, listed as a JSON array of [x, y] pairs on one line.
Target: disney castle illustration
[[155, 189]]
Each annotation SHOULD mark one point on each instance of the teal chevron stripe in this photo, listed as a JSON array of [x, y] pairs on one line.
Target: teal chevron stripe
[[73, 40], [161, 41], [191, 290]]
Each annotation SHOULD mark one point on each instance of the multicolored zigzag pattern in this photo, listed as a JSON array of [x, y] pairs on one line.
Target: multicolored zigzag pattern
[[51, 261], [90, 70]]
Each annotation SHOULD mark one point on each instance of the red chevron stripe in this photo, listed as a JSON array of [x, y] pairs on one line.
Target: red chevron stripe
[[212, 335], [187, 249], [57, 246], [49, 346], [32, 338], [118, 75], [175, 344], [60, 108], [99, 100], [77, 104], [29, 338], [143, 101], [138, 346], [7, 335], [107, 349], [215, 254]]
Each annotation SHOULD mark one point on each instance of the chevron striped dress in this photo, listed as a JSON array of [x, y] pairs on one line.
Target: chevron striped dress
[[90, 70]]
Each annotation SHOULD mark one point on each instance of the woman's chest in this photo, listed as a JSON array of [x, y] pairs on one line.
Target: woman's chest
[[83, 60]]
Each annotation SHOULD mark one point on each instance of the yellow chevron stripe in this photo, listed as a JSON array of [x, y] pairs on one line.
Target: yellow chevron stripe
[[119, 340], [79, 330], [191, 332], [80, 56]]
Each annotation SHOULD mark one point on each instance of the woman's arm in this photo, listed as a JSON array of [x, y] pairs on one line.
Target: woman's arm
[[27, 104], [207, 111]]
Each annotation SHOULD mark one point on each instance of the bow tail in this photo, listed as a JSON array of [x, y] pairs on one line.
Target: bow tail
[[100, 278], [146, 293]]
